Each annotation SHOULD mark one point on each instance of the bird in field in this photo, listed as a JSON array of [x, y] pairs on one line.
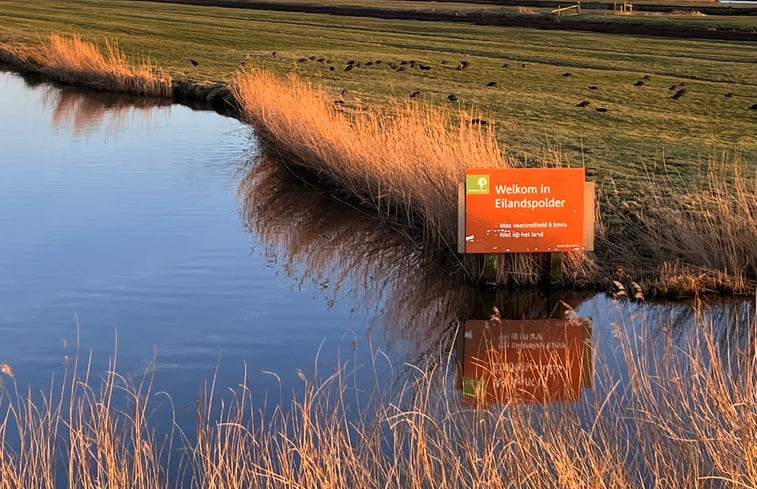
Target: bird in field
[[645, 77], [415, 94], [424, 67], [593, 87], [311, 58], [523, 65], [331, 68], [273, 54], [505, 65], [729, 94], [401, 68], [491, 84], [673, 87], [678, 94], [349, 67], [452, 97], [302, 60], [583, 103], [566, 74], [463, 64], [194, 63], [600, 109], [638, 83], [753, 107]]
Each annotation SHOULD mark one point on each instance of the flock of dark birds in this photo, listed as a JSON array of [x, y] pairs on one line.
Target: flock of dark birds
[[677, 89]]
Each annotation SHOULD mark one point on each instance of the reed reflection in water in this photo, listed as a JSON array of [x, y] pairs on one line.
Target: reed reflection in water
[[89, 112], [344, 253]]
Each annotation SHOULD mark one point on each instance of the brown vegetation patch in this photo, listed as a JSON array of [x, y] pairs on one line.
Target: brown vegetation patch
[[72, 60]]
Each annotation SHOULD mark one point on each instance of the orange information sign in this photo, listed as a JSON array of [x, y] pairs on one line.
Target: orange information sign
[[541, 360], [517, 210]]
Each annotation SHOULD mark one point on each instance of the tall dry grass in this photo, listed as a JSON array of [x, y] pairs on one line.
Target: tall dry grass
[[681, 414], [72, 60], [686, 236], [402, 163], [679, 420], [74, 436]]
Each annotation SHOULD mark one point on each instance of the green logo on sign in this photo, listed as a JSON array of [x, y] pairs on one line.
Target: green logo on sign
[[477, 184]]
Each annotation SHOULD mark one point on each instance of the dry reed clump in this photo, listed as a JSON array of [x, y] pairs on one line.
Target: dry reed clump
[[19, 57], [686, 238], [401, 163], [74, 436], [75, 61], [683, 414]]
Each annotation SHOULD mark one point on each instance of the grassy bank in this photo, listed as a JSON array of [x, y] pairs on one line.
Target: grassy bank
[[685, 415], [532, 106], [70, 60], [402, 164]]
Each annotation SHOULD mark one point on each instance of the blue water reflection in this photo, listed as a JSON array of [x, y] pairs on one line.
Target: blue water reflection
[[121, 216]]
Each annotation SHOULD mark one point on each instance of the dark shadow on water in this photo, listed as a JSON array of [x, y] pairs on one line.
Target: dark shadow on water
[[404, 293]]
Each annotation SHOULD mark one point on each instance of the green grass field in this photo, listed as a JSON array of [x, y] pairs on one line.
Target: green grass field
[[533, 107]]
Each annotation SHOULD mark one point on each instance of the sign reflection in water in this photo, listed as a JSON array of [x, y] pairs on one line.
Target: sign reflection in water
[[529, 360]]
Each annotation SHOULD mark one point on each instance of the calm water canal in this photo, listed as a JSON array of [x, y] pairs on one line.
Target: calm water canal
[[123, 219], [148, 229]]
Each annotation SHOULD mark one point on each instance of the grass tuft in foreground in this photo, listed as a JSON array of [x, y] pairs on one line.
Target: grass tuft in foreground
[[74, 435], [667, 407]]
